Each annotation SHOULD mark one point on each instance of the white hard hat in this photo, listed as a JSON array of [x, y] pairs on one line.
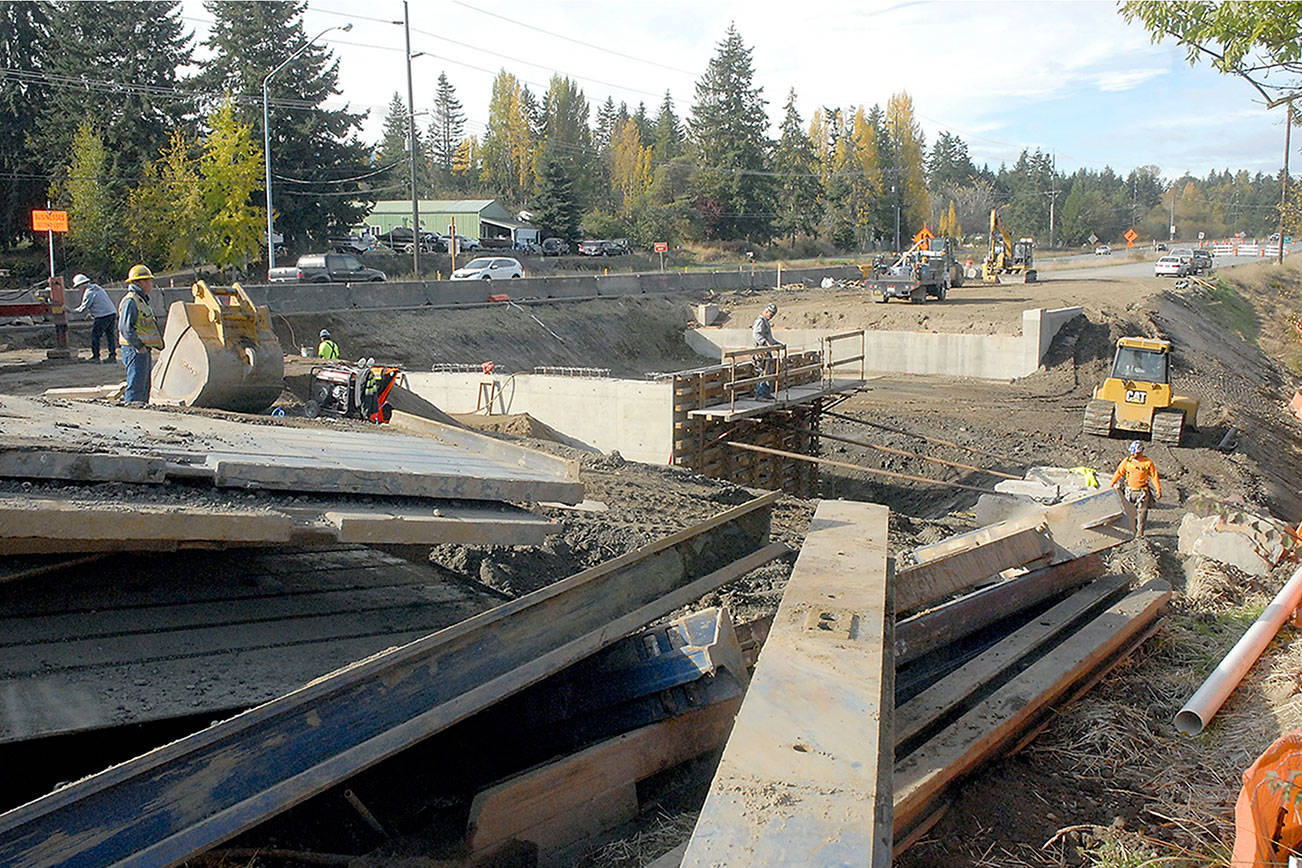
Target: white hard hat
[[80, 279]]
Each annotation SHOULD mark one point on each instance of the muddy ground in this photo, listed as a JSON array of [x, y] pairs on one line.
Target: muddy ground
[[1110, 782]]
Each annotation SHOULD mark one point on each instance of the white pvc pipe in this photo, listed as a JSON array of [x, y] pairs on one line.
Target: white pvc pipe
[[1203, 705]]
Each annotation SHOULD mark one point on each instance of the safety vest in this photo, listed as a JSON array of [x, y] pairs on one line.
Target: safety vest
[[146, 326], [328, 349]]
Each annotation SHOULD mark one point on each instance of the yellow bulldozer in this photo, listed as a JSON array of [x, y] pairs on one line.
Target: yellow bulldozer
[[219, 352], [1137, 396], [1006, 256]]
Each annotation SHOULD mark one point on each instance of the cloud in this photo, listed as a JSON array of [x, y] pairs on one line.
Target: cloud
[[1126, 79]]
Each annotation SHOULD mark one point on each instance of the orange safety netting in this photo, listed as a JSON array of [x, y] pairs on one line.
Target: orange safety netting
[[1268, 814]]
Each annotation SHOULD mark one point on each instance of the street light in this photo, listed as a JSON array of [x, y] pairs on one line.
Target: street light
[[266, 135]]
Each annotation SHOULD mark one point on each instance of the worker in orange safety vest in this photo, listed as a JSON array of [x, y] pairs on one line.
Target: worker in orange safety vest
[[1142, 484]]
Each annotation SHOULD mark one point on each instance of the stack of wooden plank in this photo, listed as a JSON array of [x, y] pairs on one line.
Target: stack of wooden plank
[[1003, 625]]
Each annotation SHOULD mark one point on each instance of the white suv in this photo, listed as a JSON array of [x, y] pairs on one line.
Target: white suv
[[489, 268]]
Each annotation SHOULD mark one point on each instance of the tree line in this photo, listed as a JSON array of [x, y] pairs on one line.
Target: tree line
[[107, 109]]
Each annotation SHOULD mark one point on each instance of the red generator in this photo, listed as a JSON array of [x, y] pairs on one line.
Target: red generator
[[351, 392]]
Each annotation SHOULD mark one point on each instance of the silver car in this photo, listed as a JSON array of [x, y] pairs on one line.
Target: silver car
[[1170, 266], [489, 268]]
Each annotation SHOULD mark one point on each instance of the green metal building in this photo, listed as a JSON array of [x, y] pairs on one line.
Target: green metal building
[[475, 218]]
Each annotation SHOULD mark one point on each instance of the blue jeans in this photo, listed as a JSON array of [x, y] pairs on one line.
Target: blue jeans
[[138, 364]]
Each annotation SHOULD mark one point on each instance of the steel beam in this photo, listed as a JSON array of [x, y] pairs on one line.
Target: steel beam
[[806, 776], [176, 801]]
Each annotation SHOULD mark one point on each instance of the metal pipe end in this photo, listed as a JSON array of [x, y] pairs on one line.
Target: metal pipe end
[[1188, 722]]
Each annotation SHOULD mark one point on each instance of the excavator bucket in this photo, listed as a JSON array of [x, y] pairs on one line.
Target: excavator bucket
[[219, 351]]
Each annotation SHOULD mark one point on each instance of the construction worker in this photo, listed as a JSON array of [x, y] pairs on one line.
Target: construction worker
[[96, 304], [1142, 484], [328, 349], [762, 331], [138, 334]]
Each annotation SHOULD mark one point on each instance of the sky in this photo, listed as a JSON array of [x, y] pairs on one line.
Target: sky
[[1070, 78]]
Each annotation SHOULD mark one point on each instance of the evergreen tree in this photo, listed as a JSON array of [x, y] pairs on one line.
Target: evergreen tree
[[667, 133], [949, 166], [230, 172], [606, 117], [728, 129], [313, 149], [447, 127], [556, 209], [24, 38], [567, 139], [797, 182], [645, 127], [395, 182], [92, 203], [129, 55]]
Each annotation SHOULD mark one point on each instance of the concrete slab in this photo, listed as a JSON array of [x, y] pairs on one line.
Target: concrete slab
[[76, 441]]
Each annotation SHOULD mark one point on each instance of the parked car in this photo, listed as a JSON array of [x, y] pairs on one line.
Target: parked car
[[555, 247], [592, 248], [1170, 266], [1202, 261], [1103, 250], [402, 239], [464, 244], [326, 268], [617, 247], [489, 268], [1159, 247]]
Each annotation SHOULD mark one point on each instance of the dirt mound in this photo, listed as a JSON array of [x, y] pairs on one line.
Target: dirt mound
[[630, 336]]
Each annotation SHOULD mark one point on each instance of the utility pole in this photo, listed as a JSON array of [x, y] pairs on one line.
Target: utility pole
[[1172, 238], [411, 148], [1283, 202], [1053, 194]]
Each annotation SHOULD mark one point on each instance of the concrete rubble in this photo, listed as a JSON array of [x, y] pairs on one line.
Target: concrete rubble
[[1231, 533]]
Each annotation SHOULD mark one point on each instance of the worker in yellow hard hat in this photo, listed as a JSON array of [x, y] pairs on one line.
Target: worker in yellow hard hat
[[138, 333]]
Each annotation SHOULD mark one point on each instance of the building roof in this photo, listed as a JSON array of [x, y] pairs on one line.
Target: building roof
[[440, 206]]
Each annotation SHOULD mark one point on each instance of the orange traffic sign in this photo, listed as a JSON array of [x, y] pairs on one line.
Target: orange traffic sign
[[924, 234], [1130, 236], [50, 221]]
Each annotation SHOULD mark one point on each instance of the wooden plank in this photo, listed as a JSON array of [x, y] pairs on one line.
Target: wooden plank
[[180, 799], [957, 688], [928, 631], [468, 525], [996, 721], [746, 408], [548, 806], [805, 777], [940, 577]]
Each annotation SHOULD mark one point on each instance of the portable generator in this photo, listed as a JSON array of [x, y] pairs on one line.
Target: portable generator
[[353, 391]]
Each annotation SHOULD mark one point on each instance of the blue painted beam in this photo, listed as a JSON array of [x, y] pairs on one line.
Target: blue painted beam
[[167, 805]]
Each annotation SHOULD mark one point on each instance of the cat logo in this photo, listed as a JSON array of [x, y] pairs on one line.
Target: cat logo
[[1136, 396]]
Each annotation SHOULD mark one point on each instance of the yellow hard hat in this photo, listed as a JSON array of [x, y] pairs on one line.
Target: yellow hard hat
[[139, 272]]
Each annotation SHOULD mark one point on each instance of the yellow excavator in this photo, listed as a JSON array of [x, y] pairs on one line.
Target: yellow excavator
[[219, 352], [1008, 257], [1138, 398]]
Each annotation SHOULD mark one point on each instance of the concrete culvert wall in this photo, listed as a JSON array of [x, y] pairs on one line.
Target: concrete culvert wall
[[630, 336]]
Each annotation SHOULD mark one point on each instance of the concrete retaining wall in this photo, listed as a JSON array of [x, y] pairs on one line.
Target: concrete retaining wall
[[296, 298], [987, 357], [635, 417]]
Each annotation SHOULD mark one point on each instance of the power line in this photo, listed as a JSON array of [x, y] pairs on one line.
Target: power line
[[572, 39]]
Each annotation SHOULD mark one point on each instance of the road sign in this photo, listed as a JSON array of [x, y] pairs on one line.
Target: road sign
[[1130, 244], [1130, 236], [50, 221], [1094, 239], [924, 234], [1202, 235], [662, 247]]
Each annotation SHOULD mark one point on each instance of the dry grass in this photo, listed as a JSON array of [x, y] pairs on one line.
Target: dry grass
[[1123, 732], [666, 832]]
